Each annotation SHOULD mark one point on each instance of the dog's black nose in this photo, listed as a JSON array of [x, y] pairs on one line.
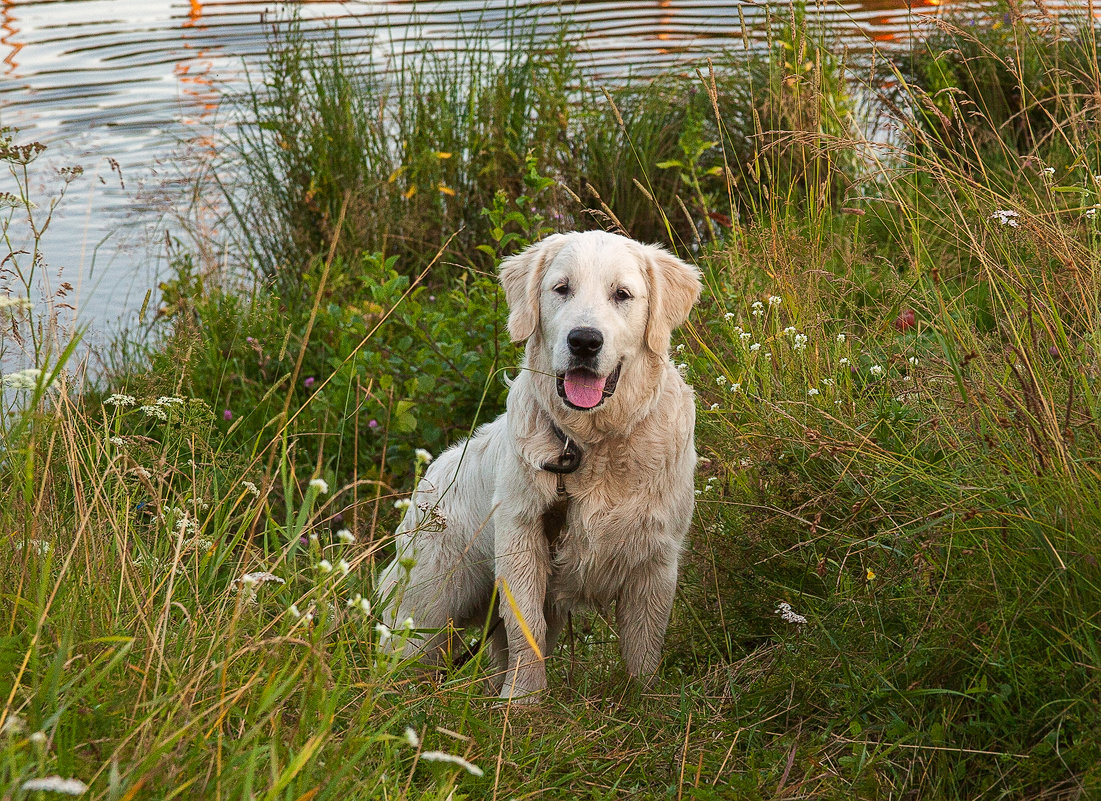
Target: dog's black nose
[[585, 341]]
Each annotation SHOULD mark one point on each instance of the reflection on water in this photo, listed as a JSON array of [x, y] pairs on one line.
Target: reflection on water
[[131, 91]]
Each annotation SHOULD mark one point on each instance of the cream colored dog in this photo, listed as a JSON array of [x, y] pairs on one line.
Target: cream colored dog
[[582, 492]]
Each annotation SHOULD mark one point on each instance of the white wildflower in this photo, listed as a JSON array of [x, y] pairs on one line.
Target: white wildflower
[[402, 503], [790, 330], [150, 562], [154, 411], [248, 485], [423, 456], [812, 391], [1090, 213], [1097, 179], [737, 330], [758, 306], [313, 536], [359, 602], [682, 368], [774, 300], [118, 442], [120, 400], [55, 784], [408, 625], [344, 535], [875, 370], [844, 360], [343, 567], [38, 738], [756, 346], [744, 335], [1048, 173], [680, 348], [907, 378], [16, 304], [840, 337], [13, 724], [259, 577], [384, 633], [320, 484], [23, 379], [800, 342], [786, 614], [325, 566], [412, 738], [293, 610], [202, 544], [169, 400], [829, 382], [1006, 217], [440, 756], [721, 381], [728, 316], [699, 492], [40, 547], [736, 387], [913, 361], [714, 406]]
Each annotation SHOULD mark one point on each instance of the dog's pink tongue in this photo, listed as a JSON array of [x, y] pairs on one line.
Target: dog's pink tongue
[[583, 388]]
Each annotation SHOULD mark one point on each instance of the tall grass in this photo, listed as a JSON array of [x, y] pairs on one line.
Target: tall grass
[[891, 589]]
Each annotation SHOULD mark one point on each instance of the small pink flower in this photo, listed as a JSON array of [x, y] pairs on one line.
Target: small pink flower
[[373, 423], [227, 414], [308, 382]]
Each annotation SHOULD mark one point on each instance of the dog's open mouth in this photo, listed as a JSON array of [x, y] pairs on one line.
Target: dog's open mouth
[[583, 389]]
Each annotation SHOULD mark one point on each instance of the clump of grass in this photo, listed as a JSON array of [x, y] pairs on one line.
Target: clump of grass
[[997, 91], [403, 155]]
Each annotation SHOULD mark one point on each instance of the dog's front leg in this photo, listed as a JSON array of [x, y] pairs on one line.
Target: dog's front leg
[[522, 566], [642, 615]]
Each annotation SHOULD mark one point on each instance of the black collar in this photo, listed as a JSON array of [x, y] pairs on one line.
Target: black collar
[[570, 458]]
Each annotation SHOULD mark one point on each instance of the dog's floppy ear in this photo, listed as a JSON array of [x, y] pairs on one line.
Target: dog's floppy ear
[[674, 289], [520, 276]]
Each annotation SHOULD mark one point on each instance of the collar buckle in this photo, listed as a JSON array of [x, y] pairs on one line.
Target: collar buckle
[[567, 461]]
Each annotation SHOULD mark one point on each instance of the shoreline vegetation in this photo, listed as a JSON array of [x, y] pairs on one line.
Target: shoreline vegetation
[[892, 587]]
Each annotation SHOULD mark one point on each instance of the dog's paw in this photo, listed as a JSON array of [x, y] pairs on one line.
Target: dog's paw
[[516, 696]]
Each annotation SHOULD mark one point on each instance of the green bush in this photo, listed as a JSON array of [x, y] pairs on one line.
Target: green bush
[[994, 90]]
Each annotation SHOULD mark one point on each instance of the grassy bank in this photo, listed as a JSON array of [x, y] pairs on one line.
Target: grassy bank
[[892, 586]]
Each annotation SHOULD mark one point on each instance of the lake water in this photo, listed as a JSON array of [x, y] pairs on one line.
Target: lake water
[[135, 92]]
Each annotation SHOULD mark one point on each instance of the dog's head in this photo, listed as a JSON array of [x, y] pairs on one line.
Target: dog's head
[[591, 303]]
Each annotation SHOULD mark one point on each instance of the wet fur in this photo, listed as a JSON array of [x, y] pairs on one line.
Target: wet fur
[[476, 516]]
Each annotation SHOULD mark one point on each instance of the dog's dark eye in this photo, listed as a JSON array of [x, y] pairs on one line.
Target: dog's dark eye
[[621, 295], [562, 289]]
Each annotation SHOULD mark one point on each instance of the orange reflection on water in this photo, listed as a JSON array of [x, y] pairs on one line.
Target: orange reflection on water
[[9, 31], [195, 74], [195, 15]]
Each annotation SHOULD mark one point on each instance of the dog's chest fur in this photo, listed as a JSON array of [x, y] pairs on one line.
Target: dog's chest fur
[[607, 535]]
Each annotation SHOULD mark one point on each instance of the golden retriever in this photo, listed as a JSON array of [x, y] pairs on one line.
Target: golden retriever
[[581, 493]]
